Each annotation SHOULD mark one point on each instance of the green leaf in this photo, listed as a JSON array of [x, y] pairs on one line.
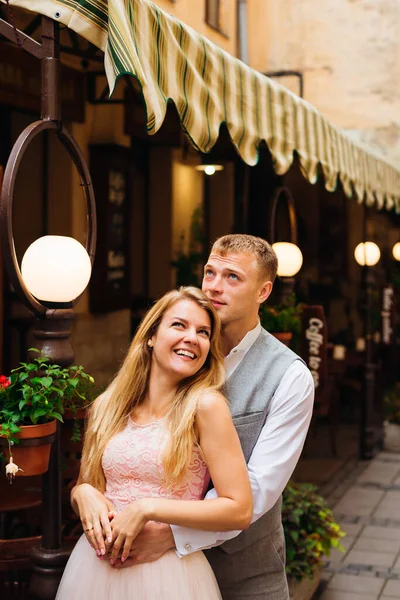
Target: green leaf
[[14, 428], [73, 382], [46, 381], [21, 404], [57, 416]]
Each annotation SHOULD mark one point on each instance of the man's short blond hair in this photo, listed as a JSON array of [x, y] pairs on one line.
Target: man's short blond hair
[[265, 256]]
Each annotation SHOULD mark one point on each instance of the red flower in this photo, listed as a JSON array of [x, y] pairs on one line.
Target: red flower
[[3, 379], [5, 384]]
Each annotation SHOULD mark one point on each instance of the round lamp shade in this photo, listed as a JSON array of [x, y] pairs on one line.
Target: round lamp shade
[[367, 253], [290, 258], [396, 251], [56, 268]]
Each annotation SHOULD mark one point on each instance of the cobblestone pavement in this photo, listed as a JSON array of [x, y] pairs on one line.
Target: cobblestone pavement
[[368, 510]]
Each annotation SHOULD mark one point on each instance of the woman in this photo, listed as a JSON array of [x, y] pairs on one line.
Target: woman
[[153, 440]]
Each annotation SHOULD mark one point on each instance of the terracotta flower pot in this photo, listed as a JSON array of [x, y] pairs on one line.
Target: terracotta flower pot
[[283, 336], [80, 414], [32, 454]]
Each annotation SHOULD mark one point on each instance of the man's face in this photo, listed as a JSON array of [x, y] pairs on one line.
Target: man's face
[[233, 284]]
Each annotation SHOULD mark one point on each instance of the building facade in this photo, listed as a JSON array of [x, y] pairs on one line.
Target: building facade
[[164, 192]]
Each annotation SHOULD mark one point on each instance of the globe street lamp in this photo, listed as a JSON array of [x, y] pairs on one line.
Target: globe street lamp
[[55, 272], [290, 257], [396, 251], [367, 254]]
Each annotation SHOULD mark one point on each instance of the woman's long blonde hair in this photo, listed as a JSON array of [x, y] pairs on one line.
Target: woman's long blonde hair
[[109, 413]]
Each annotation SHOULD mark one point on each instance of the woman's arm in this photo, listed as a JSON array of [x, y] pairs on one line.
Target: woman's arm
[[94, 511], [223, 454]]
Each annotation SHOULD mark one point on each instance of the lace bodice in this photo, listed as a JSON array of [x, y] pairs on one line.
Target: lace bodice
[[132, 464]]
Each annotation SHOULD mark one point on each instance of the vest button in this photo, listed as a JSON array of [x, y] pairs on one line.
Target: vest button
[[188, 547]]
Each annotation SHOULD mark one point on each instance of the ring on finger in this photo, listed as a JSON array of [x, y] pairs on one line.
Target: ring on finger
[[89, 529]]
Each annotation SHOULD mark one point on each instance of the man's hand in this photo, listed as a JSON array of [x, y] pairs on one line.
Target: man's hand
[[150, 544]]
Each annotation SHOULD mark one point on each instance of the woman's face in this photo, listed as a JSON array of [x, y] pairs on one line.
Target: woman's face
[[182, 342]]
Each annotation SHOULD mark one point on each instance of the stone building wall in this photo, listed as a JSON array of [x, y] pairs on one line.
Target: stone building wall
[[349, 54]]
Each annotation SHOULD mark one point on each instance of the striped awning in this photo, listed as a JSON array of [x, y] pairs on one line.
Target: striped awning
[[209, 87]]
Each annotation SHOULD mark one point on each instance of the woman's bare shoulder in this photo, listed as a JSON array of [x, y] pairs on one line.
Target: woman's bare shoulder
[[211, 401]]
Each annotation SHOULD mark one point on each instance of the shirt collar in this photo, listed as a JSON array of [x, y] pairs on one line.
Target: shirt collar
[[246, 343]]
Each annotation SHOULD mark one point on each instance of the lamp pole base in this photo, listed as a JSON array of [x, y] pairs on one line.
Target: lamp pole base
[[52, 337], [47, 571]]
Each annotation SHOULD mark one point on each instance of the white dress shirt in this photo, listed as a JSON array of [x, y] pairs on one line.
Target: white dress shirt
[[276, 452]]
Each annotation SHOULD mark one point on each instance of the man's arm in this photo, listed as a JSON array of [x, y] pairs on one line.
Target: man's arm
[[273, 459]]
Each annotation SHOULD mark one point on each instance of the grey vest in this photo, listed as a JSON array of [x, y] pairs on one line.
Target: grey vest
[[250, 390]]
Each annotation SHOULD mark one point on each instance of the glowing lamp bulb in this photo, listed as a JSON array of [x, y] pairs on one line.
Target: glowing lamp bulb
[[396, 251], [209, 169], [290, 258], [367, 253], [56, 268]]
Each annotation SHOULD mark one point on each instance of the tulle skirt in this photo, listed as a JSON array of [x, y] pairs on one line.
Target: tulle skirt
[[86, 577]]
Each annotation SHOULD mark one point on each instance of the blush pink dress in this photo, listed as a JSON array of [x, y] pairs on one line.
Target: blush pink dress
[[132, 463]]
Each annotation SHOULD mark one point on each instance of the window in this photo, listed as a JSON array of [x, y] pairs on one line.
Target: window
[[213, 13]]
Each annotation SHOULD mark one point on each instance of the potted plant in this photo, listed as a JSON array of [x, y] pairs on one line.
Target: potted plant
[[392, 422], [282, 321], [31, 402], [310, 533], [76, 403]]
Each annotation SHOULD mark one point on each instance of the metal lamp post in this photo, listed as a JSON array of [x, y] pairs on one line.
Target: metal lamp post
[[54, 312], [290, 258], [367, 254]]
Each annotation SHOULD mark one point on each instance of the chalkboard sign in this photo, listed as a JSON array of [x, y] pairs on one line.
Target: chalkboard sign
[[314, 344], [387, 315], [110, 171]]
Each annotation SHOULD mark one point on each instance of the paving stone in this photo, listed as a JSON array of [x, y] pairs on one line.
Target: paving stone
[[389, 513], [392, 589], [387, 456], [356, 584], [380, 533], [397, 564], [336, 556], [339, 595], [393, 495], [351, 529], [358, 557], [359, 502], [374, 545]]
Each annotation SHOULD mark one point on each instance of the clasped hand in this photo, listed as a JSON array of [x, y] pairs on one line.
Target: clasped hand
[[125, 527]]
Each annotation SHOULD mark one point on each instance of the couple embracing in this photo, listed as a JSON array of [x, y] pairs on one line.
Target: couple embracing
[[206, 399]]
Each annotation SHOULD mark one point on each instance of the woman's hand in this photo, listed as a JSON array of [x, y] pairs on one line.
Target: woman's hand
[[95, 513], [125, 527]]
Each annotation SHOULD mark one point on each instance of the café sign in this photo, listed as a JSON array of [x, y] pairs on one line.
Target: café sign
[[387, 315], [314, 340]]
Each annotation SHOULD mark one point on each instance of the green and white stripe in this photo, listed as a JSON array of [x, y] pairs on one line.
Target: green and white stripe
[[209, 87]]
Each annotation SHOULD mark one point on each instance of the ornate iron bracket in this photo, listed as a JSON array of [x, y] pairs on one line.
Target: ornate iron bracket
[[7, 194]]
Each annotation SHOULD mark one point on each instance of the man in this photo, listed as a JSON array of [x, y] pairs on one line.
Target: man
[[271, 393]]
